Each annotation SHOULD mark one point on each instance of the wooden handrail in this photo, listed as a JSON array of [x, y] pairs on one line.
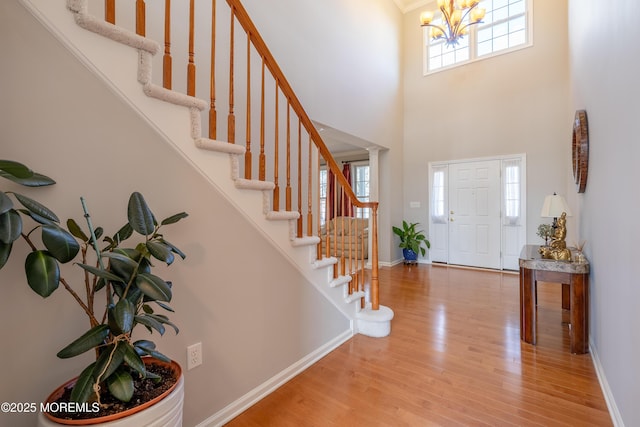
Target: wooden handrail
[[346, 241], [261, 47]]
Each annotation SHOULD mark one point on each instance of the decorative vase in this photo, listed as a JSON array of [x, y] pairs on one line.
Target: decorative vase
[[163, 411], [409, 255]]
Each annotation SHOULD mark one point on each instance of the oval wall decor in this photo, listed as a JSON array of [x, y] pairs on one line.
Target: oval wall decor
[[580, 150]]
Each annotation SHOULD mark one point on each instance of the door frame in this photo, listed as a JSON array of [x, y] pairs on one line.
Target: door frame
[[512, 236]]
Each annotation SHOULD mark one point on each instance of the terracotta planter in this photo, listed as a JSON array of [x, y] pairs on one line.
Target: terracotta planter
[[163, 411]]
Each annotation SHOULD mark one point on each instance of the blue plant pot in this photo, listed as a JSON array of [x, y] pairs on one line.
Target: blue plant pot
[[409, 255]]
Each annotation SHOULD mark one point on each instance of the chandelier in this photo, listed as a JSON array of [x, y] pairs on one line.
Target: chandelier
[[453, 16]]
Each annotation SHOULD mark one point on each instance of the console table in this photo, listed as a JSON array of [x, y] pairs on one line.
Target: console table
[[574, 278]]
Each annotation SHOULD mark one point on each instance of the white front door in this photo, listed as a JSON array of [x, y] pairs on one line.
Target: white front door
[[474, 214]]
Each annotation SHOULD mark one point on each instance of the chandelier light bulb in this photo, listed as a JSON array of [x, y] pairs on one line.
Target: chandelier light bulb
[[453, 20], [426, 18]]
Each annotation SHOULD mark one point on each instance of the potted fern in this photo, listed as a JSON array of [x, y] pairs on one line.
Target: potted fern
[[115, 271], [412, 241]]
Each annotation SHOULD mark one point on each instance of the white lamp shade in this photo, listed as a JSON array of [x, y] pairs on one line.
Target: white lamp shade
[[554, 206]]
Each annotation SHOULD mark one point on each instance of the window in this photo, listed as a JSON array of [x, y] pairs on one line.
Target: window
[[438, 188], [323, 195], [441, 55], [360, 185], [504, 28], [511, 173]]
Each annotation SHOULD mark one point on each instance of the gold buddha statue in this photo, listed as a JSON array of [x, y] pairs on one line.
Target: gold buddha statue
[[557, 249]]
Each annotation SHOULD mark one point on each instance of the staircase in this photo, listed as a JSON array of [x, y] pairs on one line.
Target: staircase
[[273, 176]]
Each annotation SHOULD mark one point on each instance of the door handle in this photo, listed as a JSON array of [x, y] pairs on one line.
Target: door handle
[[451, 219], [451, 212]]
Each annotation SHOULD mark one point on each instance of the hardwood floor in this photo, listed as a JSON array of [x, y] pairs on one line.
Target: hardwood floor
[[454, 358]]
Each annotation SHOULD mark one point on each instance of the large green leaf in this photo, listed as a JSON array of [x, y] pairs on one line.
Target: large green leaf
[[37, 218], [5, 203], [173, 248], [127, 256], [35, 180], [75, 229], [153, 287], [36, 207], [101, 273], [134, 361], [90, 339], [150, 323], [123, 234], [160, 252], [15, 169], [60, 243], [21, 174], [43, 273], [135, 295], [121, 317], [165, 306], [120, 385], [164, 320], [5, 251], [10, 226], [83, 389], [123, 262], [144, 345], [159, 356], [174, 218], [139, 215], [109, 360]]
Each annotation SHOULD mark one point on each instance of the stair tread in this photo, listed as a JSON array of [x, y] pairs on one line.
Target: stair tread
[[305, 241], [355, 296], [324, 262], [282, 215], [340, 280], [254, 184], [220, 146]]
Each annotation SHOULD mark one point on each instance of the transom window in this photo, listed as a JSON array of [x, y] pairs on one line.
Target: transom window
[[504, 28]]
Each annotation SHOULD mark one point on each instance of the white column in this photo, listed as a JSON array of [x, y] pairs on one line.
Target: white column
[[374, 195]]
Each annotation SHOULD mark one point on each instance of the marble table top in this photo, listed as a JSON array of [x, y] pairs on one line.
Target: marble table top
[[530, 258]]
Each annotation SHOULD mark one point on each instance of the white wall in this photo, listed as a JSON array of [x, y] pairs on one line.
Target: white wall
[[604, 75], [509, 104], [62, 121]]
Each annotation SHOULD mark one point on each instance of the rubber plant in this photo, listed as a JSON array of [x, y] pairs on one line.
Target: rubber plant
[[120, 270], [412, 239]]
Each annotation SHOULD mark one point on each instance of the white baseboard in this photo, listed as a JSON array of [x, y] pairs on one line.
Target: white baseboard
[[616, 417], [401, 260], [236, 408]]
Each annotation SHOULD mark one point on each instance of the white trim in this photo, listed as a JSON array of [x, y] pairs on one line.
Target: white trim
[[252, 397], [478, 159], [616, 417]]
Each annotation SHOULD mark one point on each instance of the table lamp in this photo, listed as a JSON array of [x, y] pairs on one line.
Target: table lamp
[[553, 207]]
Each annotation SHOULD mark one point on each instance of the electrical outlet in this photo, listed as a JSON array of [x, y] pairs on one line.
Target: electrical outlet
[[194, 355]]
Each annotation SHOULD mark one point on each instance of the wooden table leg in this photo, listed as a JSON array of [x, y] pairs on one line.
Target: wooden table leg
[[527, 306], [579, 332], [566, 296]]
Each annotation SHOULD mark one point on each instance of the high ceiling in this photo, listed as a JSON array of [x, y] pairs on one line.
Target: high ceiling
[[407, 5], [340, 142]]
